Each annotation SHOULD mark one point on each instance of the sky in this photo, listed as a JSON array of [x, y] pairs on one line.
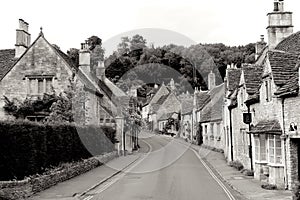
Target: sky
[[69, 23]]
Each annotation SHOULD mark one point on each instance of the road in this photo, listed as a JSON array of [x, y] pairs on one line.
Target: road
[[168, 170]]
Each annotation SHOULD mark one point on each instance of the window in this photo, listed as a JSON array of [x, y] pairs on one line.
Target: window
[[260, 148], [38, 85], [268, 90], [275, 149]]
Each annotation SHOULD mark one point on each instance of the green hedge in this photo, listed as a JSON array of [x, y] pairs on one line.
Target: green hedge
[[30, 148]]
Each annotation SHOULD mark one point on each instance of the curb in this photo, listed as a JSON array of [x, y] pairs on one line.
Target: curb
[[215, 170]]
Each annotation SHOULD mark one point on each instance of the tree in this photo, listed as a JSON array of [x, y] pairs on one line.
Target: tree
[[124, 45]]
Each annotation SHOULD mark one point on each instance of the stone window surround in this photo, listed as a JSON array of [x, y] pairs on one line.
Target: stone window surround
[[27, 78]]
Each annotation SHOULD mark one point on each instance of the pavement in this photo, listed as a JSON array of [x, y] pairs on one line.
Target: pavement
[[245, 185]]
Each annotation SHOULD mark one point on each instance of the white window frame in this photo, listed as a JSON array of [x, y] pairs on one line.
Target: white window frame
[[274, 149], [260, 146]]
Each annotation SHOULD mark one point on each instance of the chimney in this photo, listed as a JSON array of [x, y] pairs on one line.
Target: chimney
[[22, 38], [172, 84], [211, 80], [280, 24], [85, 58], [100, 71], [259, 46]]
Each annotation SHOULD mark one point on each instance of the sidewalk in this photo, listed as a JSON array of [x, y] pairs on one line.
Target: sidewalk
[[69, 189], [245, 185]]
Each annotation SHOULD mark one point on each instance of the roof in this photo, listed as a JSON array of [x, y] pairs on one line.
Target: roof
[[187, 106], [290, 44], [283, 66], [202, 98], [291, 87], [267, 126], [213, 112], [233, 78], [252, 75], [162, 99], [166, 116], [6, 61]]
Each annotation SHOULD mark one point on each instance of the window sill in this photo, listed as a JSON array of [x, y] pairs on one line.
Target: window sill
[[275, 165], [261, 162]]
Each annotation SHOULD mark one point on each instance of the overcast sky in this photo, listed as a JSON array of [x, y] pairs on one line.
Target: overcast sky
[[68, 23]]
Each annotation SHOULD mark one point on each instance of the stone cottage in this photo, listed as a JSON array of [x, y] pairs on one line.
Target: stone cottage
[[33, 69]]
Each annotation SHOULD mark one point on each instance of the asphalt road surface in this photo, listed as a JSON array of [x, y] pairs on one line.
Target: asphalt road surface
[[168, 170]]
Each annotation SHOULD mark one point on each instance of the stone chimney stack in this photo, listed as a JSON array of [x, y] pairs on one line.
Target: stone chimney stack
[[259, 46], [85, 58], [22, 38], [211, 80], [172, 84], [280, 24], [100, 71]]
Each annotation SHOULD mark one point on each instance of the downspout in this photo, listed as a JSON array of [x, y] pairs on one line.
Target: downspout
[[230, 130], [285, 146], [250, 142]]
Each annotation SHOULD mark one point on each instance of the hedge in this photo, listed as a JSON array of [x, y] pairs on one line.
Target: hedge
[[28, 148]]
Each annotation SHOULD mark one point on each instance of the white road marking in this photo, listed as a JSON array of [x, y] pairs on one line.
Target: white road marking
[[228, 193], [120, 175]]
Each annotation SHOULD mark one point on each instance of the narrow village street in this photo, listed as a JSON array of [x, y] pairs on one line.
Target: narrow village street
[[166, 168]]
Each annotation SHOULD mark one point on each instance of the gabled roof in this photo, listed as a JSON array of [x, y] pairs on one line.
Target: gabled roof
[[187, 106], [166, 116], [233, 78], [6, 61], [283, 66], [267, 126], [213, 112], [290, 44], [291, 88], [202, 98], [162, 99], [253, 78]]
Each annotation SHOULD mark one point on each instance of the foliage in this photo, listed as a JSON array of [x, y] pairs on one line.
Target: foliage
[[29, 106], [247, 172], [296, 192], [29, 148], [172, 122], [268, 186], [236, 164], [132, 53]]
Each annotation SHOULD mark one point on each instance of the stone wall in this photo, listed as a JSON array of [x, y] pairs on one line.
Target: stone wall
[[25, 188]]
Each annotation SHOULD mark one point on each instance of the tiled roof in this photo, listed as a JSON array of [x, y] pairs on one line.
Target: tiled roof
[[66, 58], [291, 87], [162, 99], [213, 112], [166, 116], [233, 78], [187, 106], [252, 75], [202, 98], [6, 61], [290, 44], [283, 66], [267, 126]]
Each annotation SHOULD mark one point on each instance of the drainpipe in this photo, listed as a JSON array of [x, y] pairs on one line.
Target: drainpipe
[[285, 146], [250, 142], [230, 130]]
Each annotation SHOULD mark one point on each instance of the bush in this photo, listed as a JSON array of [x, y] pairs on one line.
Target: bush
[[247, 172], [236, 164], [28, 148], [296, 192], [268, 186]]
